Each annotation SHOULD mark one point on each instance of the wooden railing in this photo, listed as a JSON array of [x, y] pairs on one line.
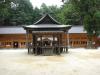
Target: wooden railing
[[48, 50]]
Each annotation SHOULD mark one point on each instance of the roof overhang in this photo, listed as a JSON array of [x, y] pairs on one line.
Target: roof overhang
[[47, 27]]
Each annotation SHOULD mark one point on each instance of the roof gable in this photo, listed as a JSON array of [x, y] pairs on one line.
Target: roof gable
[[47, 19]]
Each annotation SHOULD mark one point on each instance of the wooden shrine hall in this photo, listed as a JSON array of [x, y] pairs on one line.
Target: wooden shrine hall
[[49, 37]]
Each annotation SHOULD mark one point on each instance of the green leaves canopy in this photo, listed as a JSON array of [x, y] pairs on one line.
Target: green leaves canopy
[[90, 12]]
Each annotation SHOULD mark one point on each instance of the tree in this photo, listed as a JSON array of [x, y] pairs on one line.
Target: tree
[[36, 14], [97, 22], [4, 12], [44, 9], [23, 13], [16, 12], [89, 11], [52, 10], [69, 15]]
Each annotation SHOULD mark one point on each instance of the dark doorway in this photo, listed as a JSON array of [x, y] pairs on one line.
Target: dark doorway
[[46, 42], [15, 44]]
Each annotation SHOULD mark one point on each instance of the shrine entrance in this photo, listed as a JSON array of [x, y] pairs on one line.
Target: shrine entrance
[[46, 43], [48, 37]]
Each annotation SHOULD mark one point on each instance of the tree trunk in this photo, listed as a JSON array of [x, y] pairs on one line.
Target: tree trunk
[[90, 42]]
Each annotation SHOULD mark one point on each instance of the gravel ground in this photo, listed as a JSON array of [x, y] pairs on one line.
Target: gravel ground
[[75, 62]]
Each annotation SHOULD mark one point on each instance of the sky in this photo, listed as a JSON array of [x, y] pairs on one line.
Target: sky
[[37, 3]]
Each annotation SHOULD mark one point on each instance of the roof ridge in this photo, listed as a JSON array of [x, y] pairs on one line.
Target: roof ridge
[[40, 19], [53, 21]]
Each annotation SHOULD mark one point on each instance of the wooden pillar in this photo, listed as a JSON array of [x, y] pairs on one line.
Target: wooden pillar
[[53, 45], [58, 52], [60, 43], [27, 44], [34, 43], [40, 44], [67, 41], [43, 49]]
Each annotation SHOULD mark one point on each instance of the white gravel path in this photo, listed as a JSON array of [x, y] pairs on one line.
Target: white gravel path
[[76, 62]]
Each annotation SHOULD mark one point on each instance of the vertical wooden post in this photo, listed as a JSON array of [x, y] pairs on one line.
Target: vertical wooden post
[[43, 51], [33, 43], [67, 41], [27, 46], [41, 44], [59, 44], [36, 51], [53, 44]]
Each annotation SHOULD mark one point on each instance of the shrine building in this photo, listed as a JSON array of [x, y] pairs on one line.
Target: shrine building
[[48, 36], [45, 34]]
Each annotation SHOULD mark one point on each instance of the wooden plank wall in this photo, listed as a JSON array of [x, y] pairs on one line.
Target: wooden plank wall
[[75, 40]]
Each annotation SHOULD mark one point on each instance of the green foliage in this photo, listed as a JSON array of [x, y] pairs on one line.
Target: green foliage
[[73, 12], [4, 11], [52, 10], [16, 12], [88, 24], [97, 22], [69, 15], [23, 13], [36, 14], [90, 16], [44, 9], [88, 10]]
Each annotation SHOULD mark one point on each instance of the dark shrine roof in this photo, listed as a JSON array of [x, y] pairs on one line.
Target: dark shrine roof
[[47, 23], [46, 19]]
